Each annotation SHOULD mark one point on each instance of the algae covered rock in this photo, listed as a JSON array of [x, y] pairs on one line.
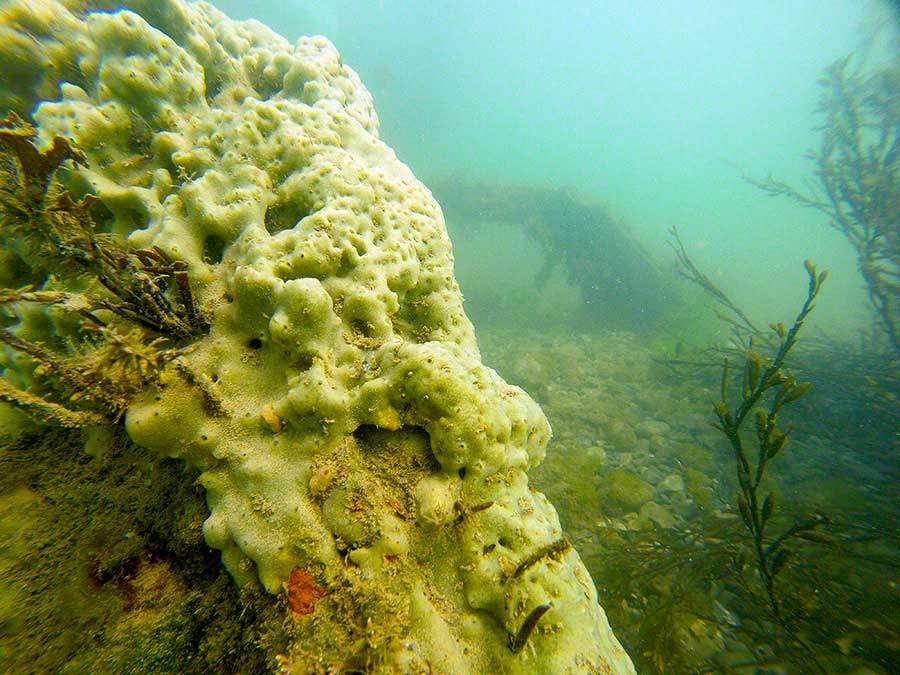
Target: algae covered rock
[[357, 457], [625, 490]]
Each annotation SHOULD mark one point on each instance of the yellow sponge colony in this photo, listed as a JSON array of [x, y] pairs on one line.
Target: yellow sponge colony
[[338, 408]]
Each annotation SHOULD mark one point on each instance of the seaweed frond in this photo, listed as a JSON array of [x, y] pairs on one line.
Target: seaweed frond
[[760, 376], [41, 409], [686, 268], [133, 309], [857, 178], [37, 168]]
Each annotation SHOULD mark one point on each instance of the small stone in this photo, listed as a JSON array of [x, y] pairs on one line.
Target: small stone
[[597, 453], [672, 483], [650, 428], [621, 435], [658, 514], [625, 490]]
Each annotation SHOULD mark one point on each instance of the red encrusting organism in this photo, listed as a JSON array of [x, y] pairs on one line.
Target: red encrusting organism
[[302, 592]]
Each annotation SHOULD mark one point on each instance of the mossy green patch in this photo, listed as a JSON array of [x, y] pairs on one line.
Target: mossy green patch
[[105, 569]]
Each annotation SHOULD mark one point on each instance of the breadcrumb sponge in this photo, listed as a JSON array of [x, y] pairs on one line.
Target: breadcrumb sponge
[[361, 452]]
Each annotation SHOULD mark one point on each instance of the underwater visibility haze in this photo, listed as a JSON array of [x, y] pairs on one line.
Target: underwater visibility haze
[[460, 337]]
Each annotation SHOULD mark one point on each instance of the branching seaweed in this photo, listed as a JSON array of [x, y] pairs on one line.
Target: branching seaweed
[[126, 303], [58, 227], [739, 321], [36, 169], [687, 599], [761, 376], [857, 169], [757, 575]]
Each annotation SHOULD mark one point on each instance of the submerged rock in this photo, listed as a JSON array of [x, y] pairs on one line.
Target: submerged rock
[[624, 491]]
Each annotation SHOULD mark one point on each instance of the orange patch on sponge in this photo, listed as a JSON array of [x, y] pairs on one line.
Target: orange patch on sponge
[[302, 592]]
